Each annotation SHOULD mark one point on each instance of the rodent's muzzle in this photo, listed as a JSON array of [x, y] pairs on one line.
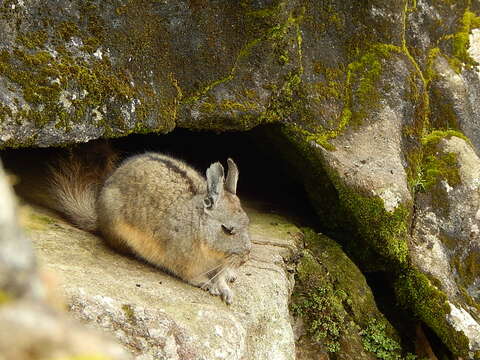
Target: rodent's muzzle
[[243, 253]]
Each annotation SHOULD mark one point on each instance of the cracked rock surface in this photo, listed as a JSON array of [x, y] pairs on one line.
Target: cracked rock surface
[[157, 316]]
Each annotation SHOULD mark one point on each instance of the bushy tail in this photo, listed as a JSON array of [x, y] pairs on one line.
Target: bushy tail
[[76, 180]]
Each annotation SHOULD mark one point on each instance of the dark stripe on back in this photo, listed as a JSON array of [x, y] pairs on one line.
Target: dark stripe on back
[[172, 166]]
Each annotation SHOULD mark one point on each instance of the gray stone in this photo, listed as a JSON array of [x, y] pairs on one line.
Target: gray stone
[[31, 330], [158, 316], [446, 238]]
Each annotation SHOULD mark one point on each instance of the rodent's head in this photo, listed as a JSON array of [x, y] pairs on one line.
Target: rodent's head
[[225, 224]]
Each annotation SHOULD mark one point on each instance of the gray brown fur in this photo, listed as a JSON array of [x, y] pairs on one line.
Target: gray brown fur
[[162, 210]]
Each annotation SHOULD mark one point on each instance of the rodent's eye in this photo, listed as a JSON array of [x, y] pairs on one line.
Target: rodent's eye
[[208, 202], [229, 230]]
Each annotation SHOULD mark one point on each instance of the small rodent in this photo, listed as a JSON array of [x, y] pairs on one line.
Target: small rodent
[[162, 210]]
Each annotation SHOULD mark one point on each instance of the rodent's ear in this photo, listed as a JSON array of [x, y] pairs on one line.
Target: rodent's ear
[[215, 176], [232, 177]]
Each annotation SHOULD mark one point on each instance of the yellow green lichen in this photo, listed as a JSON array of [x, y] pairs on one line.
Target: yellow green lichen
[[71, 82], [468, 267], [47, 82], [66, 30], [279, 108], [357, 92], [362, 77]]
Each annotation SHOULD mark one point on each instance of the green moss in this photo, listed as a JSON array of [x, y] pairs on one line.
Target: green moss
[[242, 112], [319, 304], [306, 164], [435, 136], [66, 30], [33, 39], [5, 112], [376, 340], [286, 102], [435, 167], [377, 231], [355, 87], [362, 80], [68, 84], [415, 291], [460, 42], [430, 73], [129, 312], [333, 299], [445, 114], [383, 231], [438, 166], [276, 32]]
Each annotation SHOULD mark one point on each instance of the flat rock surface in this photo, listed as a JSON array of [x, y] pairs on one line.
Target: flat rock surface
[[157, 316]]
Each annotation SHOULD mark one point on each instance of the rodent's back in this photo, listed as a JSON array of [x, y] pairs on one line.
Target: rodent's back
[[145, 186]]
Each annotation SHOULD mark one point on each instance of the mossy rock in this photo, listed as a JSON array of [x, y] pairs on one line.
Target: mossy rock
[[444, 245], [336, 305], [94, 69]]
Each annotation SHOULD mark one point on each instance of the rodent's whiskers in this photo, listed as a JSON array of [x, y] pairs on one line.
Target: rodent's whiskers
[[215, 276], [206, 272]]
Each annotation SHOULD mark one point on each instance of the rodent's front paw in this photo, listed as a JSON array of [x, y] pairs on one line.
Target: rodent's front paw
[[212, 289], [227, 295], [230, 276], [221, 288]]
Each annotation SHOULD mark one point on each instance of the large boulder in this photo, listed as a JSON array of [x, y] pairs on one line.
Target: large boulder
[[157, 316], [336, 316], [82, 70], [444, 287]]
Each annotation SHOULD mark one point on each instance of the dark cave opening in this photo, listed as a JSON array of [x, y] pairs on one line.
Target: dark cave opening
[[265, 180]]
